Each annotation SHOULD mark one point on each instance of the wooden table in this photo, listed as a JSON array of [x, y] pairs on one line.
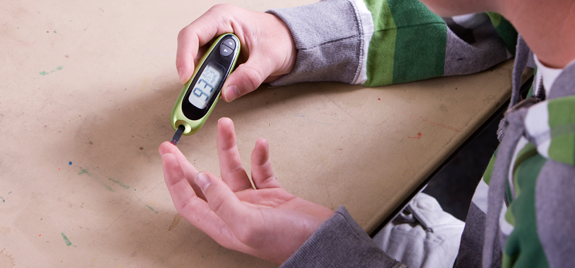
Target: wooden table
[[86, 95]]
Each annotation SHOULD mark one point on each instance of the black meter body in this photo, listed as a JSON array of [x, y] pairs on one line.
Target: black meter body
[[201, 93]]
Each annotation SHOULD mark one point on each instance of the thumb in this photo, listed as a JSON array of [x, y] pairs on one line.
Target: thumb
[[246, 78], [221, 199]]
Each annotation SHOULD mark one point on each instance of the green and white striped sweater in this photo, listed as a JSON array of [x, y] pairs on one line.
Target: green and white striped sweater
[[525, 219]]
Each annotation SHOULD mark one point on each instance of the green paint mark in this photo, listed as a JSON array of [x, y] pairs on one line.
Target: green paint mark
[[83, 171], [54, 31], [68, 243], [119, 183], [151, 209], [96, 178], [44, 73], [107, 187]]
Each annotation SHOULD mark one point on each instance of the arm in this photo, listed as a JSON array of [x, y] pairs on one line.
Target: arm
[[380, 42], [376, 42]]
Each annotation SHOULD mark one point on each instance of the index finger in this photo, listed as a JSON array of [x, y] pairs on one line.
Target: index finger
[[189, 170], [214, 22]]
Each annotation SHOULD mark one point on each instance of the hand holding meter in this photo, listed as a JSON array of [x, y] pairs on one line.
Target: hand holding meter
[[201, 93]]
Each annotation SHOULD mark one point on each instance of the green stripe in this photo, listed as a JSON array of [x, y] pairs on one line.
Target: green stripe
[[505, 30], [420, 42], [562, 125], [530, 93], [525, 153], [489, 170], [523, 248], [509, 217], [561, 149], [381, 49], [528, 151], [495, 18]]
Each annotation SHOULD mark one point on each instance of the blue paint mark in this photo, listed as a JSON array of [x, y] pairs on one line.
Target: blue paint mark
[[70, 163], [3, 201]]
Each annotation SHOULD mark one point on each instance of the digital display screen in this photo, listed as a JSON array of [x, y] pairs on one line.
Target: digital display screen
[[206, 85]]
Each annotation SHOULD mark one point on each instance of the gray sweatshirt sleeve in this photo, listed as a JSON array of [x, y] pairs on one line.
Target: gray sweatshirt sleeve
[[327, 37], [340, 242]]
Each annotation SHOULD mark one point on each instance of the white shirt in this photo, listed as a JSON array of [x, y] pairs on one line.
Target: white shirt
[[549, 75]]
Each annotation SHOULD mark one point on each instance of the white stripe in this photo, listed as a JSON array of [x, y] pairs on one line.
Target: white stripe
[[549, 75], [480, 196], [537, 126], [471, 21], [520, 145], [366, 23], [504, 226], [537, 82]]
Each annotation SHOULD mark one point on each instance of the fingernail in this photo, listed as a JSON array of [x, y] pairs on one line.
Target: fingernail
[[181, 73], [203, 181], [232, 93]]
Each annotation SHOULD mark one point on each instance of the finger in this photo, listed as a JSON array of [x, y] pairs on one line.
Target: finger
[[231, 167], [223, 201], [197, 34], [194, 209], [247, 77], [180, 189], [190, 171], [262, 172]]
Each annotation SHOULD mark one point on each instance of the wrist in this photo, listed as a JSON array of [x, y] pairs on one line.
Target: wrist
[[286, 45]]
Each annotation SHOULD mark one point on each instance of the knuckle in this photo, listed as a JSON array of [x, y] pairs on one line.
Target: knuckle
[[250, 234], [229, 147], [184, 206], [237, 169], [247, 235], [216, 204], [254, 79], [187, 205], [269, 179]]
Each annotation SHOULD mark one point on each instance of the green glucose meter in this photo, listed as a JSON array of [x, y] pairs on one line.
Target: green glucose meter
[[201, 93]]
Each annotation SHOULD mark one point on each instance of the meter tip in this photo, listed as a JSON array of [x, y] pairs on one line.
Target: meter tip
[[178, 134]]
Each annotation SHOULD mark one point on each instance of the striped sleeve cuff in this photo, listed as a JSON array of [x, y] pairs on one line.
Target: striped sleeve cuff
[[331, 38]]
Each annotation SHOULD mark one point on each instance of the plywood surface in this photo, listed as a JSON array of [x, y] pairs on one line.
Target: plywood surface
[[87, 88]]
